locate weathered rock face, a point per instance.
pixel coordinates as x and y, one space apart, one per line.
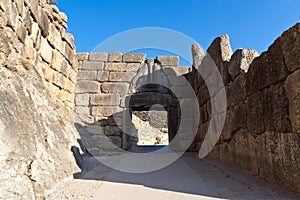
262 127
292 88
36 137
37 78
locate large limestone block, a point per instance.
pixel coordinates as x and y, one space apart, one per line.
134 58
46 50
48 73
218 54
57 59
220 50
105 99
63 16
278 158
255 113
102 75
92 65
267 69
87 75
43 21
21 32
4 4
122 67
69 38
241 151
115 57
292 87
11 15
240 61
69 53
121 88
59 79
168 60
86 86
20 7
237 91
82 99
82 56
132 67
54 38
72 75
69 85
290 45
276 109
98 56
236 119
121 76
28 22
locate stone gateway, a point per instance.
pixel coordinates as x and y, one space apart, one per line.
57 105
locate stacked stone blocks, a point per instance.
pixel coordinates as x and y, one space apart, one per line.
103 83
41 42
261 131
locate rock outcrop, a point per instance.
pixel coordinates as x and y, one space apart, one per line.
37 77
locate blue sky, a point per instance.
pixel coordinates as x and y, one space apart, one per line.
249 24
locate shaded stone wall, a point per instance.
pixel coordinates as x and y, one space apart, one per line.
38 71
261 131
104 82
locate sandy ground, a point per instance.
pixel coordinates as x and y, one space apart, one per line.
189 178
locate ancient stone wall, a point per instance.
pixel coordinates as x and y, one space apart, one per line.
39 70
37 77
261 131
37 35
103 84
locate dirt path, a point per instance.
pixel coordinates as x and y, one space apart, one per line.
188 178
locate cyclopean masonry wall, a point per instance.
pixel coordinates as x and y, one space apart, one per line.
106 82
36 31
262 126
37 76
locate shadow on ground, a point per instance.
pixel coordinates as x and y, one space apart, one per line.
188 175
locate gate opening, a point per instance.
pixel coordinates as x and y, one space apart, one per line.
151 127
